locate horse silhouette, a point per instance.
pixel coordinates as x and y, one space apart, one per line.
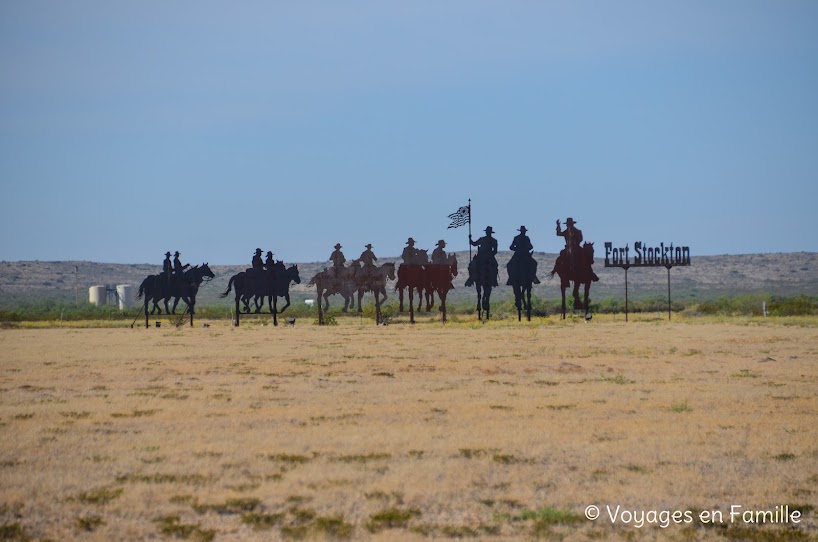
520 277
185 287
412 277
438 279
581 273
261 284
482 273
373 279
336 280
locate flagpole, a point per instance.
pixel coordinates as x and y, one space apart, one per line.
469 228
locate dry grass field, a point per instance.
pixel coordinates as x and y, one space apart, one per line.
502 431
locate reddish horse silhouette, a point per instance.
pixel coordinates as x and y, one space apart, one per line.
438 279
582 273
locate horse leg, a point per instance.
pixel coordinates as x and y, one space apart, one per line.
528 303
257 304
360 298
273 309
442 293
287 299
146 310
587 289
563 287
487 302
400 298
420 298
479 304
577 302
238 312
411 305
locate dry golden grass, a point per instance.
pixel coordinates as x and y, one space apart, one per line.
497 431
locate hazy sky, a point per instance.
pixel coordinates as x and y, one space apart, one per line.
132 128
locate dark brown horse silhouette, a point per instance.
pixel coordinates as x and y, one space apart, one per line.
438 279
581 274
412 277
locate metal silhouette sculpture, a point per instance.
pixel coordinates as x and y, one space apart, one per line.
574 265
338 280
412 277
483 271
438 277
522 273
183 285
271 281
427 278
370 278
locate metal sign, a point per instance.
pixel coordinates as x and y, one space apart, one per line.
646 256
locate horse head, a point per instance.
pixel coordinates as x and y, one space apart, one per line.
390 270
205 271
452 261
589 251
292 274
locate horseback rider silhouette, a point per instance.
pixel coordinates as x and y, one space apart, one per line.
269 263
522 247
572 254
167 268
257 263
368 258
573 238
409 253
485 258
439 255
178 268
337 258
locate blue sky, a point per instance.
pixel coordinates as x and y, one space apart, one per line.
213 128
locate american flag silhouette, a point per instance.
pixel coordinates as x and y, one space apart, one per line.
460 217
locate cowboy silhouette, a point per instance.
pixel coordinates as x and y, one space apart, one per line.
409 253
178 268
337 258
167 268
368 257
573 238
257 263
522 247
269 263
485 258
439 255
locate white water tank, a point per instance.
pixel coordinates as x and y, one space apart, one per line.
125 294
98 295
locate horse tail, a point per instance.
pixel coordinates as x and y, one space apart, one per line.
141 289
229 286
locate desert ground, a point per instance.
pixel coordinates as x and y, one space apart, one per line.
502 431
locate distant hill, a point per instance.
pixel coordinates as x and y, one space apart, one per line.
707 277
